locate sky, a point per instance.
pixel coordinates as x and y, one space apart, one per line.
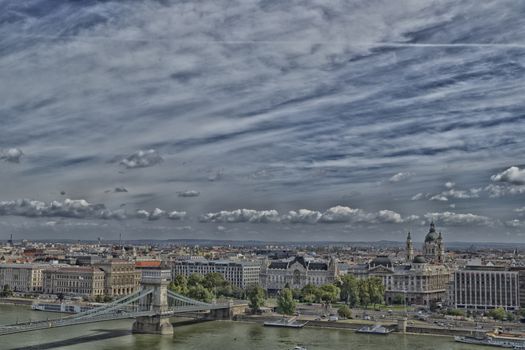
262 120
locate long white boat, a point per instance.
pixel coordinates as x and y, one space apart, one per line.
283 322
62 307
496 338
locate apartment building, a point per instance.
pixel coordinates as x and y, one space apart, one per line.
24 278
240 274
486 287
121 277
80 281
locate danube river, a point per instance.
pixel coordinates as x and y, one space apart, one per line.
204 336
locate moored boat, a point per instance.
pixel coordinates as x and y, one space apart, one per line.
376 329
496 338
290 323
61 307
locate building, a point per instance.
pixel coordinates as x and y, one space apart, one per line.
79 281
121 277
482 287
297 272
238 273
24 278
521 281
421 280
433 247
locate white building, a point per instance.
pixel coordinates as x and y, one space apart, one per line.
297 272
240 274
486 287
25 278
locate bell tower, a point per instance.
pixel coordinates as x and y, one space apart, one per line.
409 249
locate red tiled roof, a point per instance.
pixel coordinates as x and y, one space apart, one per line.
148 263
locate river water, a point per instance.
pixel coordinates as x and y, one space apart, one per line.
115 335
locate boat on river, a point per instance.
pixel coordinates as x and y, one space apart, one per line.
286 322
376 329
496 338
61 307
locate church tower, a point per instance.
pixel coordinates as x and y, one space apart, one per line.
434 248
409 249
440 249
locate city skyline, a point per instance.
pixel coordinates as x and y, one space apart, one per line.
262 121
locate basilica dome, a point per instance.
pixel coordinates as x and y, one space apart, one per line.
432 235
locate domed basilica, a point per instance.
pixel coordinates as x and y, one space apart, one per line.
433 248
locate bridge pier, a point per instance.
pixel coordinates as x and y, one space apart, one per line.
157 280
152 325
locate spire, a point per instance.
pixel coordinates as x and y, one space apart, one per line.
432 226
440 237
408 236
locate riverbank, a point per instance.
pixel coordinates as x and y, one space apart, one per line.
354 325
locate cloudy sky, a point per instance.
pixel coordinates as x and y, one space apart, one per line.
270 120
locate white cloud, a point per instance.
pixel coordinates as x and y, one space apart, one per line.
189 194
418 196
302 216
72 208
520 210
158 213
141 159
450 184
242 215
454 219
12 155
338 214
512 175
515 223
496 191
400 177
439 197
177 215
458 194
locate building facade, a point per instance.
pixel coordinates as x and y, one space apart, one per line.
486 287
77 281
24 278
421 280
297 272
240 274
121 277
433 247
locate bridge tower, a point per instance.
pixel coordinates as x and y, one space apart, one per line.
157 280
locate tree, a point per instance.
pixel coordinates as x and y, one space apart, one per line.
6 291
256 296
344 312
350 290
329 293
310 293
455 312
195 279
198 292
285 302
179 285
214 280
497 314
60 296
98 298
364 293
376 290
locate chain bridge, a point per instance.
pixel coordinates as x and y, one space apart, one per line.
151 307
